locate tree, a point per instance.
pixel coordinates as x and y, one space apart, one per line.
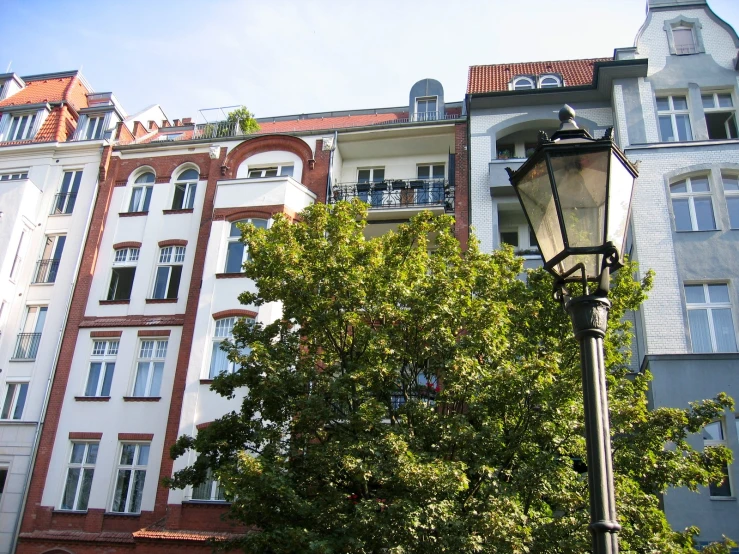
245 120
417 399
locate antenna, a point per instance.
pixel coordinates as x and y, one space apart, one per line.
9 64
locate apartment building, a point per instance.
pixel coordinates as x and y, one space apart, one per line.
672 101
157 292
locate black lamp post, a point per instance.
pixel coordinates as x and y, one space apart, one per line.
576 193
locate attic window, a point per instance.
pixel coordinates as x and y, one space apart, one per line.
684 36
684 40
549 81
523 83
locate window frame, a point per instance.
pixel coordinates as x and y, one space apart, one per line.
107 360
556 78
216 492
426 114
217 340
278 168
171 260
709 306
66 198
133 468
518 79
673 113
83 466
731 195
98 127
189 190
691 197
716 108
153 363
141 183
14 401
128 261
719 442
24 131
232 240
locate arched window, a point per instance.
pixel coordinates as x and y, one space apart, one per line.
141 193
184 190
236 253
219 362
549 81
692 204
523 83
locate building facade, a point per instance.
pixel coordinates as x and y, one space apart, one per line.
157 292
672 100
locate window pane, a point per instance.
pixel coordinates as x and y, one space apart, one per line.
174 281
142 375
424 172
179 196
713 432
718 293
121 490
189 175
724 329
20 401
707 100
145 178
680 102
724 101
84 497
733 206
695 294
699 184
93 379
682 215
8 401
683 127
704 214
287 170
665 128
722 488
127 453
70 488
78 452
107 379
160 284
363 175
92 453
156 379
234 257
378 175
137 491
218 361
680 186
699 331
663 104
143 455
438 172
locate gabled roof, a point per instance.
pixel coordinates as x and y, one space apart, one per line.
52 89
493 78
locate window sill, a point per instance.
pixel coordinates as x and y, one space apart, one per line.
699 231
161 300
69 512
132 214
92 398
22 359
113 302
723 498
198 502
230 275
206 381
122 514
43 284
142 398
182 211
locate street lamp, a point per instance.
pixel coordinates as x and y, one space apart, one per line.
576 193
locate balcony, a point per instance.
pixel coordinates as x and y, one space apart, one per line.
63 203
398 193
46 271
26 346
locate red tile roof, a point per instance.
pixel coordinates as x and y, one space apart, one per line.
183 535
50 90
492 78
83 536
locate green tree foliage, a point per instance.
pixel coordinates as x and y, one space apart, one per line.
245 119
417 402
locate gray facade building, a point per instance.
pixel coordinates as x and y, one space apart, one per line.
672 100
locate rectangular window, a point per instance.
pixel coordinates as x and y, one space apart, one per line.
123 273
426 109
15 401
731 191
184 196
713 435
720 116
692 204
684 40
14 176
140 198
80 472
219 362
48 265
281 170
150 368
432 188
371 185
674 118
93 128
709 317
210 489
65 200
29 338
169 272
21 127
3 479
131 474
236 251
102 367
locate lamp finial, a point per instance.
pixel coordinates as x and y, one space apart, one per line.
567 118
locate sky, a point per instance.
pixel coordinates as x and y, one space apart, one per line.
283 57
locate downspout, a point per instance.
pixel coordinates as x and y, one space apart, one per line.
47 394
468 105
331 168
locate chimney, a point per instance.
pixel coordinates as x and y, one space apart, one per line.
176 123
187 120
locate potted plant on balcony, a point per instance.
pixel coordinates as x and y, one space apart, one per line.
504 154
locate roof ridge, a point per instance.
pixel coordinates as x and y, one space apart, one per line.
543 61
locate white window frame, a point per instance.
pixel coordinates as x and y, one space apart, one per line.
425 114
86 463
523 82
189 189
279 170
122 258
171 261
104 352
556 81
720 442
223 331
685 27
716 107
94 127
236 240
14 176
709 306
150 368
673 113
135 468
22 126
731 195
214 489
66 198
691 196
14 400
141 204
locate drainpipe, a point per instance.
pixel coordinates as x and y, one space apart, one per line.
47 394
331 168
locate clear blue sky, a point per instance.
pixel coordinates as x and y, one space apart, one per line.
283 57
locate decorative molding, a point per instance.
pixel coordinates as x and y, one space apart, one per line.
163 179
132 214
82 435
142 398
161 300
172 242
230 275
112 302
154 332
234 313
172 212
105 334
133 321
92 398
121 183
126 244
135 436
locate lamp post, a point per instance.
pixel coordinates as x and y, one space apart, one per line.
576 193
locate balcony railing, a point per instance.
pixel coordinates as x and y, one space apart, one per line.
46 271
63 203
26 346
398 193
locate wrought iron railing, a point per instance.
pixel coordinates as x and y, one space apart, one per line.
46 271
217 129
63 203
26 346
398 193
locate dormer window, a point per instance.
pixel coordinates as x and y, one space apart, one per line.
684 40
93 127
21 127
549 81
523 83
426 108
684 36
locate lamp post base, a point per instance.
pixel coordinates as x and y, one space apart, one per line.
589 316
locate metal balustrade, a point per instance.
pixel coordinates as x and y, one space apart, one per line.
398 193
46 271
26 346
63 203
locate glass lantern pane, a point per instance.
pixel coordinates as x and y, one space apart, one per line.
581 181
537 199
621 187
592 263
